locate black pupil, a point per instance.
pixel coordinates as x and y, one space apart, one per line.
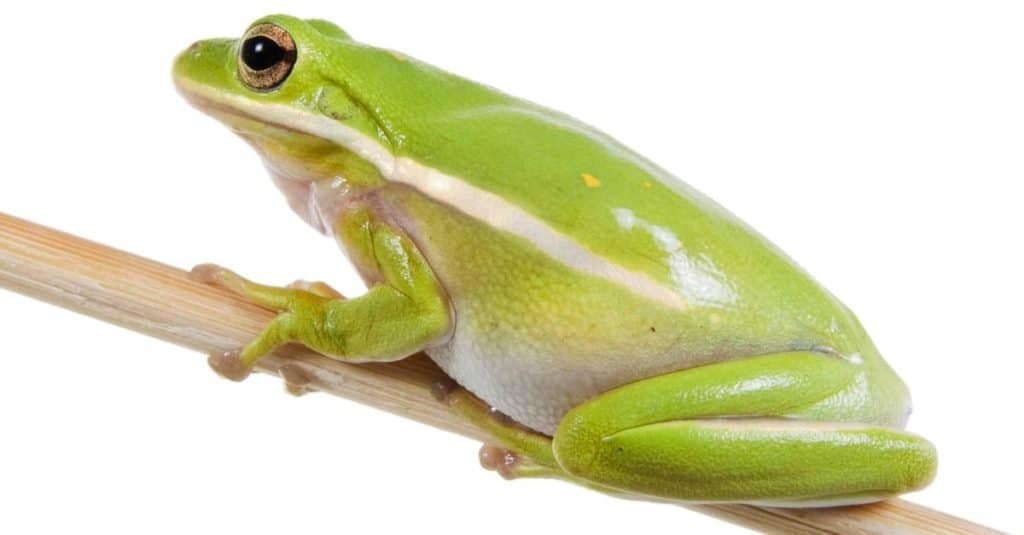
261 53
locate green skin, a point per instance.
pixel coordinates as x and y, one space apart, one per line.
647 342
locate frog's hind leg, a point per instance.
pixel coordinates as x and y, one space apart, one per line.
520 452
732 432
728 432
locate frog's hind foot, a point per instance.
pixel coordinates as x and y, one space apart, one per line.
511 465
500 460
521 452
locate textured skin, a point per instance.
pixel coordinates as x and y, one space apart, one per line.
509 344
580 280
736 429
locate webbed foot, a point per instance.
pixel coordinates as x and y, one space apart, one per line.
300 309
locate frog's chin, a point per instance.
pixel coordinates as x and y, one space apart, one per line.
317 199
310 193
302 200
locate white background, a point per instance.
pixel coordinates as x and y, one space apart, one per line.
879 143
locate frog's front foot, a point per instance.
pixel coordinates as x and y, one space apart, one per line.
301 309
296 380
207 273
317 288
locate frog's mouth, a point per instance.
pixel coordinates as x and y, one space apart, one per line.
235 109
311 193
237 118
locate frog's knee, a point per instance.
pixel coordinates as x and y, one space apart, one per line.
576 444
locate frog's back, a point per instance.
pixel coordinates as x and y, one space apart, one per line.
575 265
565 186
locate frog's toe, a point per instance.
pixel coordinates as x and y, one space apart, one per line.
501 460
296 380
207 273
443 388
316 288
229 364
511 464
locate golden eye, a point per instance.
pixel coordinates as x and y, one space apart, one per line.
266 57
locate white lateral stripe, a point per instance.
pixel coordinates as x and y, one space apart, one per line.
478 203
499 213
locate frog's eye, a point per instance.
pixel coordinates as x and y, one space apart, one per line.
266 56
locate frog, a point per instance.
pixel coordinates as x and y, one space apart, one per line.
636 337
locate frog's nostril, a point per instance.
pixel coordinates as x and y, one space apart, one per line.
194 48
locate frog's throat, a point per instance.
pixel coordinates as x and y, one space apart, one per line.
450 190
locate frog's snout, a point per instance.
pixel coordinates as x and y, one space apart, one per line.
185 58
205 58
191 53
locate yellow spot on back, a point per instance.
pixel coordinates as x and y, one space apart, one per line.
648 184
590 180
397 55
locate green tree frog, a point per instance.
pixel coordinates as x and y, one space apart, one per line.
640 339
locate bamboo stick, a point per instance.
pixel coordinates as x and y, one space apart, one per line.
161 301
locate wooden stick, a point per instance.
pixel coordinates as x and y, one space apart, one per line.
161 301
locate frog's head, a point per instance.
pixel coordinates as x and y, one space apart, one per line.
280 88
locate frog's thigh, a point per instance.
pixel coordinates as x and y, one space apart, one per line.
708 434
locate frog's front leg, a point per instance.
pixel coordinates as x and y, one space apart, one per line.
730 432
404 313
317 288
